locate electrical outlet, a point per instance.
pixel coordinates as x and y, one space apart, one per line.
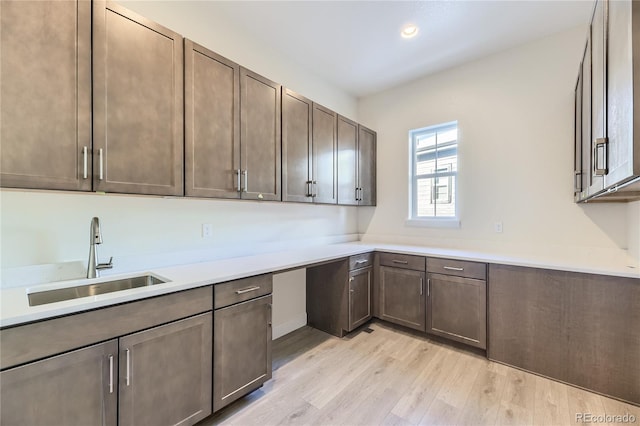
497 227
207 230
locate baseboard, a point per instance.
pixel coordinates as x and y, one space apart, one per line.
280 330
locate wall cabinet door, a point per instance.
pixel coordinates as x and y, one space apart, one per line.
325 155
77 388
585 120
577 140
212 124
45 121
366 166
296 148
260 144
402 297
137 104
347 161
165 374
598 147
457 309
241 350
359 297
623 154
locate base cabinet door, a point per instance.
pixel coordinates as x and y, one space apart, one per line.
457 309
77 388
359 297
402 298
241 349
165 374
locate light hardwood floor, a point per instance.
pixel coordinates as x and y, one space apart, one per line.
395 377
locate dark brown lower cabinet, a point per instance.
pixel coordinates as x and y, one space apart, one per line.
402 297
339 294
457 309
77 388
582 329
241 349
165 374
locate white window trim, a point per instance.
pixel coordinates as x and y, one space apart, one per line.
430 222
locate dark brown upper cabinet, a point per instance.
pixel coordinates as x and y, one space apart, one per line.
138 108
212 124
309 151
260 143
356 164
45 121
609 169
297 163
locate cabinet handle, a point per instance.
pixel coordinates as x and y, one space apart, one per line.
428 286
600 163
314 188
245 173
577 184
357 199
452 268
309 194
421 286
101 165
239 179
248 289
110 373
361 194
402 262
350 279
84 163
360 262
269 320
128 367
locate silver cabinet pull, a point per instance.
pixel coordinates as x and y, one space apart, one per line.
451 268
239 179
600 146
248 289
577 184
84 163
309 194
269 320
314 188
245 173
127 377
360 262
421 286
361 194
357 199
101 165
110 373
350 279
428 286
402 262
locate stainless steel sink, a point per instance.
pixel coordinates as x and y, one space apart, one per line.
60 294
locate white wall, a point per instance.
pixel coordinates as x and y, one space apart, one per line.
515 116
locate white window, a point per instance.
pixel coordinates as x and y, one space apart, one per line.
434 171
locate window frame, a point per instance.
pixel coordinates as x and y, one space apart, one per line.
432 221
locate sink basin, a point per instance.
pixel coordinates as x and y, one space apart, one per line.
60 294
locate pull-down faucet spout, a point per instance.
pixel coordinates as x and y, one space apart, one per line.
95 238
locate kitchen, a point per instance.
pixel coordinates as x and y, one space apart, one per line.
515 110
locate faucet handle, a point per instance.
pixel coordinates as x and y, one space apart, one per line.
105 265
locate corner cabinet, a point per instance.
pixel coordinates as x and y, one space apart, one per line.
607 100
45 87
356 163
137 104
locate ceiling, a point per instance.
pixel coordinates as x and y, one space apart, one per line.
356 45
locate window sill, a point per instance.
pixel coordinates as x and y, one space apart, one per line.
433 223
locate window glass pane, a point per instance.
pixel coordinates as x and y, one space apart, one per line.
424 203
446 200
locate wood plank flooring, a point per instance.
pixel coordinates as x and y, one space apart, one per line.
396 377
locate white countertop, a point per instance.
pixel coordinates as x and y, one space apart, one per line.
14 307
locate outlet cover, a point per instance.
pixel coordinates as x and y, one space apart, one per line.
497 227
207 230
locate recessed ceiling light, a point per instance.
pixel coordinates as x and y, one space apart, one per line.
409 31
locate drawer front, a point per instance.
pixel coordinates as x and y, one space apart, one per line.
459 268
240 290
405 261
50 337
360 261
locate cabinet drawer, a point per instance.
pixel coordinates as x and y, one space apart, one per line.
459 268
402 261
360 261
240 290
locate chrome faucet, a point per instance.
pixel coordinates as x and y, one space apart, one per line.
95 238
